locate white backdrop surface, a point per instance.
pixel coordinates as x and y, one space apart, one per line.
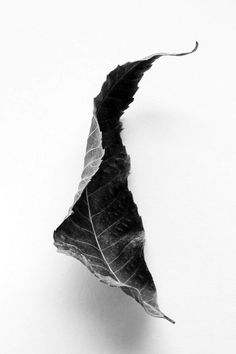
181 135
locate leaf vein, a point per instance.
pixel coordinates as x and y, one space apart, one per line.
123 265
96 147
93 131
107 206
80 227
122 251
114 223
84 242
132 274
104 185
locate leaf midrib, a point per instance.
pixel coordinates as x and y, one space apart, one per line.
95 236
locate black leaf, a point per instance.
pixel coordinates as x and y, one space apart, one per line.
103 229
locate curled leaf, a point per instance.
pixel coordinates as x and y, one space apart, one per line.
103 229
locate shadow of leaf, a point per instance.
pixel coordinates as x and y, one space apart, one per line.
108 311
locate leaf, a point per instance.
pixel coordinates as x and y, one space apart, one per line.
103 229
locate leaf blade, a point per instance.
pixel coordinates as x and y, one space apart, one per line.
103 229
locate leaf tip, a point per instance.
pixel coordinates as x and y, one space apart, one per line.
168 319
191 51
196 47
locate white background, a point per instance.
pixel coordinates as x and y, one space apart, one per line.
181 135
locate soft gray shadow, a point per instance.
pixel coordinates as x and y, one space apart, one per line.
108 311
152 124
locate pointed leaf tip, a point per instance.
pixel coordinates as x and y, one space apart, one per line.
168 319
191 51
158 55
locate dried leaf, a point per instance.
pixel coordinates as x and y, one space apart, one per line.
103 229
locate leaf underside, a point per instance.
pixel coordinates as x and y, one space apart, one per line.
103 229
